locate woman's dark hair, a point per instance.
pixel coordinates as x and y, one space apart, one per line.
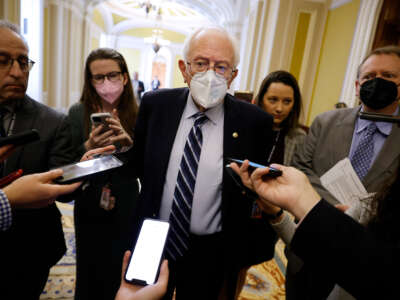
127 107
386 205
292 121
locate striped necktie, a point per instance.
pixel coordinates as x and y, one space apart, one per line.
362 156
179 219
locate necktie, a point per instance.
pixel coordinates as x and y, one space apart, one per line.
179 219
362 156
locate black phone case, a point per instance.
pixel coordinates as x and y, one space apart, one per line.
142 282
273 173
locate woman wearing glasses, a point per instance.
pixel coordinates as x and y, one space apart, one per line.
104 208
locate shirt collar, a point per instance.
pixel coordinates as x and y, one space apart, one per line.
383 127
214 114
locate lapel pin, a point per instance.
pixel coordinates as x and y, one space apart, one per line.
235 135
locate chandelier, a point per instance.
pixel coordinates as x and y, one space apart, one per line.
156 39
149 6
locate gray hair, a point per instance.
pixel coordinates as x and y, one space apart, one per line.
232 39
14 28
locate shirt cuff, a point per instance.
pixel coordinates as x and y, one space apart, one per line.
285 228
5 212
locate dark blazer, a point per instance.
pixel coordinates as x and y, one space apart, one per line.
314 157
348 252
248 240
36 234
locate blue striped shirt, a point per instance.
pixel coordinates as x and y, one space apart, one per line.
5 212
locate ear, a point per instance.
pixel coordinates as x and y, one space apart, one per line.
182 67
234 74
358 85
125 81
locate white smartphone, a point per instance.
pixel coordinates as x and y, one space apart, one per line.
144 264
100 119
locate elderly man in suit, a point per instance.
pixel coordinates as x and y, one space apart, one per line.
372 147
182 138
35 241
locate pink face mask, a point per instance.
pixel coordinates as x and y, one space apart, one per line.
110 91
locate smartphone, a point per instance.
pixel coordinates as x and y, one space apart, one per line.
84 169
100 119
252 166
21 138
144 264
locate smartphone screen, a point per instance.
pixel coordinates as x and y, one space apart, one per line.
146 257
81 170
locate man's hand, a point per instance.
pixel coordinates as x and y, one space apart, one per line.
37 190
128 291
291 191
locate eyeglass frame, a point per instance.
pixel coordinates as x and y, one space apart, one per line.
10 62
104 76
233 70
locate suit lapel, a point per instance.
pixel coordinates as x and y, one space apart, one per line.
167 120
24 120
170 125
342 136
232 130
389 152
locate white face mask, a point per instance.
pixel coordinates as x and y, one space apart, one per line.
208 89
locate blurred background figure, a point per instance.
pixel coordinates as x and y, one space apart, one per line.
103 210
155 83
138 87
279 95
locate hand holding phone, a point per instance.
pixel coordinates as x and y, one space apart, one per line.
273 173
98 119
81 170
145 261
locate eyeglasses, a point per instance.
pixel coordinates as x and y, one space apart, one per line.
25 64
198 66
112 76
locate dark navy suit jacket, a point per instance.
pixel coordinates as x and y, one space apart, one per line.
247 131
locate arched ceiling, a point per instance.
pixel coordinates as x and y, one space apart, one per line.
177 15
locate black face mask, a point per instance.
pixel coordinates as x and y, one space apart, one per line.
378 93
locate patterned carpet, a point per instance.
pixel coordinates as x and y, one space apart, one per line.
263 281
266 280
